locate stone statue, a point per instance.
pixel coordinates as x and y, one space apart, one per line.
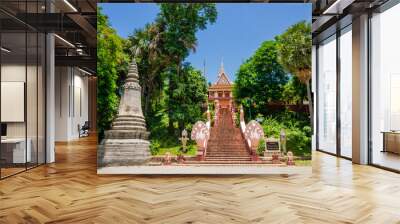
201 134
253 134
167 159
290 159
184 140
283 140
127 141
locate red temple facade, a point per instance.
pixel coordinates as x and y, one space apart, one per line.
220 93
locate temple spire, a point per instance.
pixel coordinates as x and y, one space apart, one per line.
133 74
221 68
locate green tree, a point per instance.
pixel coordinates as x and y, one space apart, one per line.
294 92
189 96
145 45
260 80
294 51
110 57
181 23
173 91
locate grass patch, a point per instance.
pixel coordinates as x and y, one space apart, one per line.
174 150
303 162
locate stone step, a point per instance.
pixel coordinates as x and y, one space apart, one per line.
228 153
129 121
227 162
126 134
132 123
226 156
227 149
130 118
129 127
225 145
227 159
241 149
227 140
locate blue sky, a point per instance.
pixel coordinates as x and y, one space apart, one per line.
239 30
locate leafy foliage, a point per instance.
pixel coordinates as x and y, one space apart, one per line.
297 128
294 50
294 92
260 80
261 147
110 63
173 91
188 98
154 147
271 75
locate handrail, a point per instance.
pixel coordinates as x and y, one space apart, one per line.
252 152
208 124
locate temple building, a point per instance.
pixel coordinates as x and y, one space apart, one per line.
220 93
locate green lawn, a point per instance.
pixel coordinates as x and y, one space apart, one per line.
303 162
175 149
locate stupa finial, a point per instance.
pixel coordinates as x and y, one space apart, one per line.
221 68
133 71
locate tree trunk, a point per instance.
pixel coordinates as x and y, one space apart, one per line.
310 104
149 94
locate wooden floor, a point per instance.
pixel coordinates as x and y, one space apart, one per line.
69 191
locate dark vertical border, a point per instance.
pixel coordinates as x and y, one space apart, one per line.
1 53
316 108
45 96
37 90
338 93
26 86
45 88
369 90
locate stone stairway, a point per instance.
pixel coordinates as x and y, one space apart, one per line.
226 144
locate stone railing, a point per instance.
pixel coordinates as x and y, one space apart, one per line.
208 123
252 133
201 134
216 111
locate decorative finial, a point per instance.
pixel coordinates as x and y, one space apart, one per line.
221 69
133 71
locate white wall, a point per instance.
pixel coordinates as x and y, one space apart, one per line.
71 94
16 73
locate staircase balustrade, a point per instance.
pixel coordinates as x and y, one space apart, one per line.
252 133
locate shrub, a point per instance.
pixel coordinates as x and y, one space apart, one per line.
298 142
297 128
261 147
272 127
154 147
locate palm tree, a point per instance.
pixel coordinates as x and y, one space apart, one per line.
146 49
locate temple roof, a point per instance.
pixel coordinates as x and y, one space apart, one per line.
222 77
